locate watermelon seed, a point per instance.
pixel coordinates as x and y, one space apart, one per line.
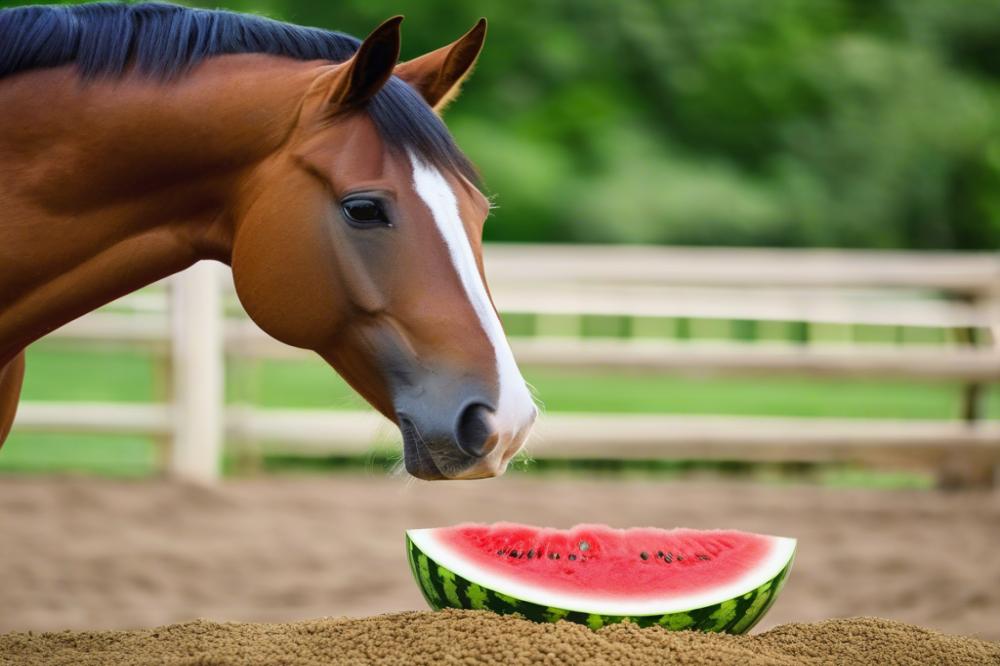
680 558
500 552
659 554
668 558
572 556
553 556
531 553
644 555
513 553
584 545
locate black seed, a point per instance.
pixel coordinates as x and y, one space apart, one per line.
680 558
572 556
513 553
500 552
668 558
644 555
553 556
531 553
659 554
584 545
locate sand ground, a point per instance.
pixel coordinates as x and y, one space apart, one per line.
472 638
80 553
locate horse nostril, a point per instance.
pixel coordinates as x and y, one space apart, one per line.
475 429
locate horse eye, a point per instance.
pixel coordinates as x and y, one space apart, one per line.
365 212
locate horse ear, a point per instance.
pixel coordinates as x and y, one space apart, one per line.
355 81
438 75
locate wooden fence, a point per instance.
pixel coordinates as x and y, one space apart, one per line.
559 287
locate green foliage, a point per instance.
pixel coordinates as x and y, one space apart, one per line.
787 122
729 121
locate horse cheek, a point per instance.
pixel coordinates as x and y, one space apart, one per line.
285 273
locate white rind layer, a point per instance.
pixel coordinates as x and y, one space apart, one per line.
781 554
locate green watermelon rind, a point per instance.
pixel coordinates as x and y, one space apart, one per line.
443 588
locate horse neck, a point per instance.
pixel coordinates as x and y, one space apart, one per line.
109 186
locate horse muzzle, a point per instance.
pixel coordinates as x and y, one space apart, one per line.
463 443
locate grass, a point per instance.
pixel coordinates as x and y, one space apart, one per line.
93 454
749 397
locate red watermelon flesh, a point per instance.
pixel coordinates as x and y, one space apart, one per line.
609 562
605 570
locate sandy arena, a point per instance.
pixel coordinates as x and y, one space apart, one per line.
91 554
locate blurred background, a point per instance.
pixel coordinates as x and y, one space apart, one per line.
746 253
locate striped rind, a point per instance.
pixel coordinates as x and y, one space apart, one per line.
443 588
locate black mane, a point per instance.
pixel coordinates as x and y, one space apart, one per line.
165 41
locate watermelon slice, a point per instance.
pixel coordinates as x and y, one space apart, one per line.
595 575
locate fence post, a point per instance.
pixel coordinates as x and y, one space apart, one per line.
198 374
972 470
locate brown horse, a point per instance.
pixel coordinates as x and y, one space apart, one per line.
136 140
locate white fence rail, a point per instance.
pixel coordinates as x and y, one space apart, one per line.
955 292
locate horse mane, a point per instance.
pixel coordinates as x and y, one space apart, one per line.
165 41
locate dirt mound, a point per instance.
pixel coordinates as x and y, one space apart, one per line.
473 637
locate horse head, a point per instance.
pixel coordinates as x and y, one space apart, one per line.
360 238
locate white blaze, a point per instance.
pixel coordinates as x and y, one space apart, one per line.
515 406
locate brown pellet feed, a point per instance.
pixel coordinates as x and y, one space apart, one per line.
480 637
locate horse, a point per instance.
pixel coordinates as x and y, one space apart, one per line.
136 140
